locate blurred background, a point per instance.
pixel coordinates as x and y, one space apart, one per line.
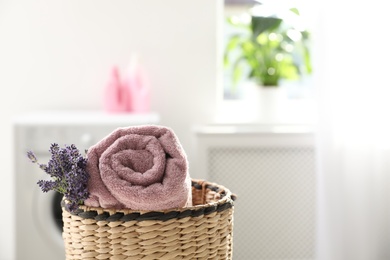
283 102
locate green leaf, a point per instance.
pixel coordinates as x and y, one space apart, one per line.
294 10
226 60
237 74
252 74
233 42
248 48
261 24
237 70
237 22
231 20
307 60
262 39
288 69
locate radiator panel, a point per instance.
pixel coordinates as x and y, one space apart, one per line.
275 212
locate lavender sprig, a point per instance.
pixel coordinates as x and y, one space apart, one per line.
67 169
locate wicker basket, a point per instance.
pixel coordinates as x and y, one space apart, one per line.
203 231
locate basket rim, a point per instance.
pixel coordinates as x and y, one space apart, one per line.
110 215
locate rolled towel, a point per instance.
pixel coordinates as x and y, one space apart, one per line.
139 168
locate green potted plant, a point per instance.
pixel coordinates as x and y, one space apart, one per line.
267 48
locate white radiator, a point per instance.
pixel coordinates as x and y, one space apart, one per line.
272 170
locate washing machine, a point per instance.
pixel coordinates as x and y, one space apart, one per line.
38 221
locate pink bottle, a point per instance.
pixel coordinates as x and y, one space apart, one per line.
116 96
138 88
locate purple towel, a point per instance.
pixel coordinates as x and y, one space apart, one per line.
139 168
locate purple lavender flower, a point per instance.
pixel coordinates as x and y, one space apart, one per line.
67 169
46 185
32 156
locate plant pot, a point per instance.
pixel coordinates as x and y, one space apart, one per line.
203 231
267 104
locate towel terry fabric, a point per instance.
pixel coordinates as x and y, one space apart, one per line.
139 168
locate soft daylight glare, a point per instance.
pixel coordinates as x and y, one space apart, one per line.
354 77
353 196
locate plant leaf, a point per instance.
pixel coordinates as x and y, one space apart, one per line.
307 60
261 24
294 10
233 42
237 74
235 21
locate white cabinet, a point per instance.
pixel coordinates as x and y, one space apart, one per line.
272 171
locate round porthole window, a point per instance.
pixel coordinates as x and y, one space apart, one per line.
47 215
57 211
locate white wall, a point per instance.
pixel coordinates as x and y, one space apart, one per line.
58 55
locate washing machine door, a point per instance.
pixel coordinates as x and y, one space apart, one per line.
47 217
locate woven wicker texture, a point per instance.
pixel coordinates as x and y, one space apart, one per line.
203 231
